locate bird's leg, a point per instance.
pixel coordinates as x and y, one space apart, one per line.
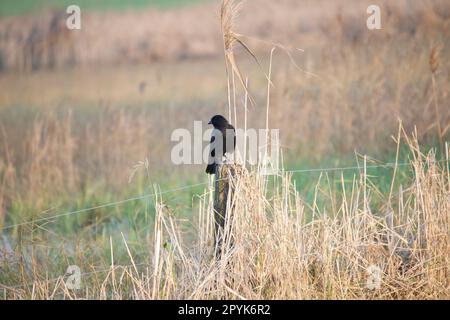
228 158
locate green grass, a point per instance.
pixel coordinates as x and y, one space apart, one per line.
139 214
21 7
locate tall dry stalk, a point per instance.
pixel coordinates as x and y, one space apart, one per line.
228 14
434 65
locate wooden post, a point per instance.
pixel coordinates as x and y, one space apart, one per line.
223 191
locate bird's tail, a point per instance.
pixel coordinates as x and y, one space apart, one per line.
211 168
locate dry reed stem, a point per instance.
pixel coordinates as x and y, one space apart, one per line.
434 65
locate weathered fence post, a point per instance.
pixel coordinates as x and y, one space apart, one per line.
224 189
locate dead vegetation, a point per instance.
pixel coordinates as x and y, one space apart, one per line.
41 41
284 247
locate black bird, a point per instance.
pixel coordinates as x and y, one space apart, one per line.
227 132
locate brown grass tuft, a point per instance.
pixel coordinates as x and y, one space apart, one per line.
434 58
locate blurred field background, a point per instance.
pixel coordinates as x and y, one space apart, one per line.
15 8
80 111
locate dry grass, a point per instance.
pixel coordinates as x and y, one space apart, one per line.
42 41
285 247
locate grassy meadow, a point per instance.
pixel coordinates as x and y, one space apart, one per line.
86 177
12 8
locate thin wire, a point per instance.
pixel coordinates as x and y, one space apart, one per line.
110 204
391 164
386 165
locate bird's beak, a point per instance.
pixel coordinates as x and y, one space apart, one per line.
209 122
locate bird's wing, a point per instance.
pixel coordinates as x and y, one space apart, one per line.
213 146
